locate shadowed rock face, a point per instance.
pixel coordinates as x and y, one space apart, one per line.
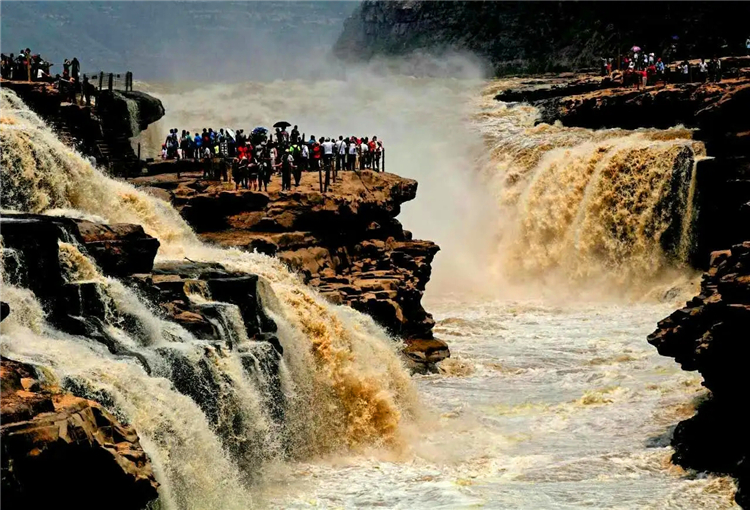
539 36
711 335
346 243
53 442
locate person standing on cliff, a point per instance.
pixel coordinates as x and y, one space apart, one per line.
75 68
296 152
286 164
352 153
703 71
341 154
377 153
197 146
305 157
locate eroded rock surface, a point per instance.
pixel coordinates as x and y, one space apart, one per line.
711 334
54 444
347 243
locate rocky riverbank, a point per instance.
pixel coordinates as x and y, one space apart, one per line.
709 334
347 243
53 442
46 429
537 36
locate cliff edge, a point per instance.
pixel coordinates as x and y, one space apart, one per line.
347 243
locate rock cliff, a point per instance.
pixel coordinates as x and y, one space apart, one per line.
347 243
540 36
101 131
710 335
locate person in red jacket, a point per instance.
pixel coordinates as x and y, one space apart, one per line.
316 153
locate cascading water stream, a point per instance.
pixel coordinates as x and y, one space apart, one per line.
588 209
204 414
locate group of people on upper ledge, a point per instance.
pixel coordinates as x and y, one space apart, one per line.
28 66
253 159
641 69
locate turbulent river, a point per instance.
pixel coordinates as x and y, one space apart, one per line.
561 249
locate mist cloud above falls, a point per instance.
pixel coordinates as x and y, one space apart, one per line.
422 121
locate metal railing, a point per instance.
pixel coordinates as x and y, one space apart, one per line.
111 81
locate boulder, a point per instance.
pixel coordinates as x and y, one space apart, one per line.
54 443
119 249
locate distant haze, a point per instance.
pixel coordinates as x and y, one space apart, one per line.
189 41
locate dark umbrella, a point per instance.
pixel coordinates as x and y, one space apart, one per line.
282 124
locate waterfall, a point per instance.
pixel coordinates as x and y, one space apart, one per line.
208 415
584 208
133 114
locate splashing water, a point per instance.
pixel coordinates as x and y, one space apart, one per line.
605 210
344 383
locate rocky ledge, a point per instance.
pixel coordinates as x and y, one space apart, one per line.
346 243
710 335
101 131
54 442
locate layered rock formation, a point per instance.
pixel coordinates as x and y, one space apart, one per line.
710 335
54 443
718 112
346 243
102 131
540 36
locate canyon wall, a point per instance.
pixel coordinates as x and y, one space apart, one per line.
540 36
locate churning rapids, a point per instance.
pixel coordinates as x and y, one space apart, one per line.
568 242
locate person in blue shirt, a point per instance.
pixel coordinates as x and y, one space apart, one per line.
198 141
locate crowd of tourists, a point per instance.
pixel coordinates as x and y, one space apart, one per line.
255 157
641 69
28 66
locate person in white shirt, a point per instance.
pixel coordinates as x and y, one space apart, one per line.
352 153
703 70
305 156
328 147
340 153
363 160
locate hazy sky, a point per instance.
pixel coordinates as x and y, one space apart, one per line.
195 41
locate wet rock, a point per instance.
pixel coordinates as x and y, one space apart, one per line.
54 443
422 356
710 335
119 249
346 243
